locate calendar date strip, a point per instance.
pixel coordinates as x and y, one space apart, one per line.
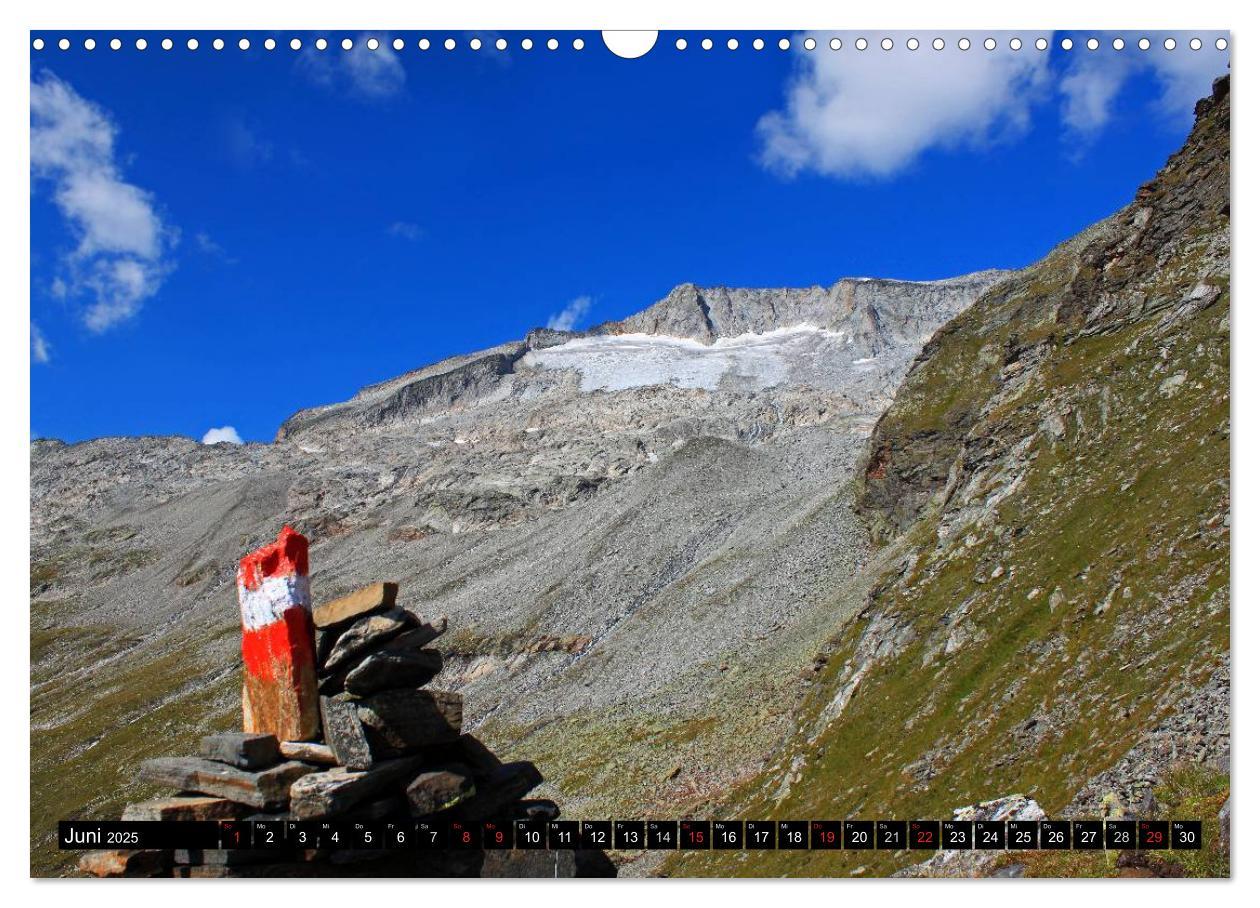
637 835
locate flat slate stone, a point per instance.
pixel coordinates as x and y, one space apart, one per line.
468 750
268 788
185 808
422 635
383 670
308 752
344 732
410 718
440 788
509 783
367 633
124 862
325 794
360 602
241 749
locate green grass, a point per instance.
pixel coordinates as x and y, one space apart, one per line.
91 727
1190 792
1129 498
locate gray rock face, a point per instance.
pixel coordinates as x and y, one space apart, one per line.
881 315
308 752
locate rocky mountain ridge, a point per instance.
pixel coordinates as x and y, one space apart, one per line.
1051 489
758 553
656 543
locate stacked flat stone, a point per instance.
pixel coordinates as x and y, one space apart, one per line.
389 748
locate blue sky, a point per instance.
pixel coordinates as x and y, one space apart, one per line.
222 238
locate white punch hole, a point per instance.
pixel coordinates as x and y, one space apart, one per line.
629 45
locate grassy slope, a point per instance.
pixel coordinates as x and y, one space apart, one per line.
1125 515
129 697
1144 472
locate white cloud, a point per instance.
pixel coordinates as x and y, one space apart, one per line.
871 113
206 243
208 247
225 434
373 75
568 317
121 258
1094 78
41 350
1089 89
405 230
1186 75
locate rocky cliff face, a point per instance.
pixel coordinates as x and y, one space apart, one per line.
656 540
1051 489
1155 264
639 534
881 314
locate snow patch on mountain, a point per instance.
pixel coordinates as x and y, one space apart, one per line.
751 361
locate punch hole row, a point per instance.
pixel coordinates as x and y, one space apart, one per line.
502 44
269 44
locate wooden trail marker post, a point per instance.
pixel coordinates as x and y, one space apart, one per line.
280 695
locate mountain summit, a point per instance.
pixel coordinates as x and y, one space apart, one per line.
605 514
884 548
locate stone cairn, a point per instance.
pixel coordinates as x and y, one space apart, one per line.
360 739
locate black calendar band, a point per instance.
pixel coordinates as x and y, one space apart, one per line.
636 835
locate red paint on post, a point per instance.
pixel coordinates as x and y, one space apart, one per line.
277 642
287 555
280 695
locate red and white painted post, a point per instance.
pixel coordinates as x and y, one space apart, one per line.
280 695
